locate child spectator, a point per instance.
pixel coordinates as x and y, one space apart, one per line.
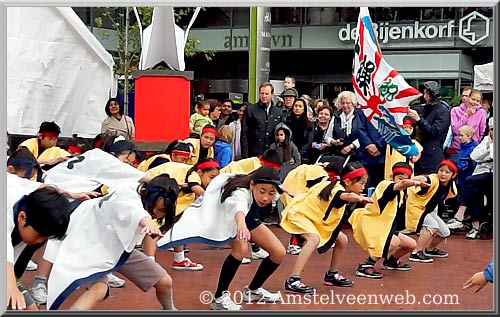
392 156
465 164
199 119
286 149
222 147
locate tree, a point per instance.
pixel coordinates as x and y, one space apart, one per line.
116 16
128 34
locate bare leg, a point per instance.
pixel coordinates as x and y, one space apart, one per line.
425 238
460 213
164 293
338 251
435 241
406 245
88 300
312 242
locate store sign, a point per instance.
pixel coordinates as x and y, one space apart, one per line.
386 31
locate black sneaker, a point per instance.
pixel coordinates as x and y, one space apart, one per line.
395 265
420 257
436 253
368 271
294 285
335 279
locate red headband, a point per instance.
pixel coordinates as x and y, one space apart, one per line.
74 149
355 174
98 144
269 163
208 165
209 130
408 122
49 134
333 176
402 170
450 164
181 153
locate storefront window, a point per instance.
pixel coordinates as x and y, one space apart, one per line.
241 17
286 16
213 17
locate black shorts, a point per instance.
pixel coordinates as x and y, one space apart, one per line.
252 219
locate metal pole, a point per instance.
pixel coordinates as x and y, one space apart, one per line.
125 68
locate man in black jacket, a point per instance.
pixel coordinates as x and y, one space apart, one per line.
259 121
432 124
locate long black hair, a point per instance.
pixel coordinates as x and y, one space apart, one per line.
264 174
167 188
351 166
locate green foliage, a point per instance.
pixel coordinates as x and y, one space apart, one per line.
115 16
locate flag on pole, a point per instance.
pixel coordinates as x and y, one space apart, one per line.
382 92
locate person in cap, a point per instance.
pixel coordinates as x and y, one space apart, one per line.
375 226
204 146
433 124
43 146
124 150
228 213
422 212
289 96
317 216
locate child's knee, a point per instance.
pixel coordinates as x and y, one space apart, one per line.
341 241
165 282
240 250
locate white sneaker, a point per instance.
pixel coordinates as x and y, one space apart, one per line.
261 295
454 224
245 261
259 255
293 249
38 292
32 266
224 303
115 281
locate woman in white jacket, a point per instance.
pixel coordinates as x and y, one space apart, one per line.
476 186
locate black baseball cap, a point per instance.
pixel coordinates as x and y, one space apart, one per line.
267 175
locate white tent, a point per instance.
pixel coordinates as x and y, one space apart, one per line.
483 77
56 71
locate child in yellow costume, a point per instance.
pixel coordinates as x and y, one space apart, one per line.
299 181
392 156
318 216
43 146
195 180
204 146
421 212
374 227
175 152
248 165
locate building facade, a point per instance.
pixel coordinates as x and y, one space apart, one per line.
315 45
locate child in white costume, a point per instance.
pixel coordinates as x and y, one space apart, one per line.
228 213
103 232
